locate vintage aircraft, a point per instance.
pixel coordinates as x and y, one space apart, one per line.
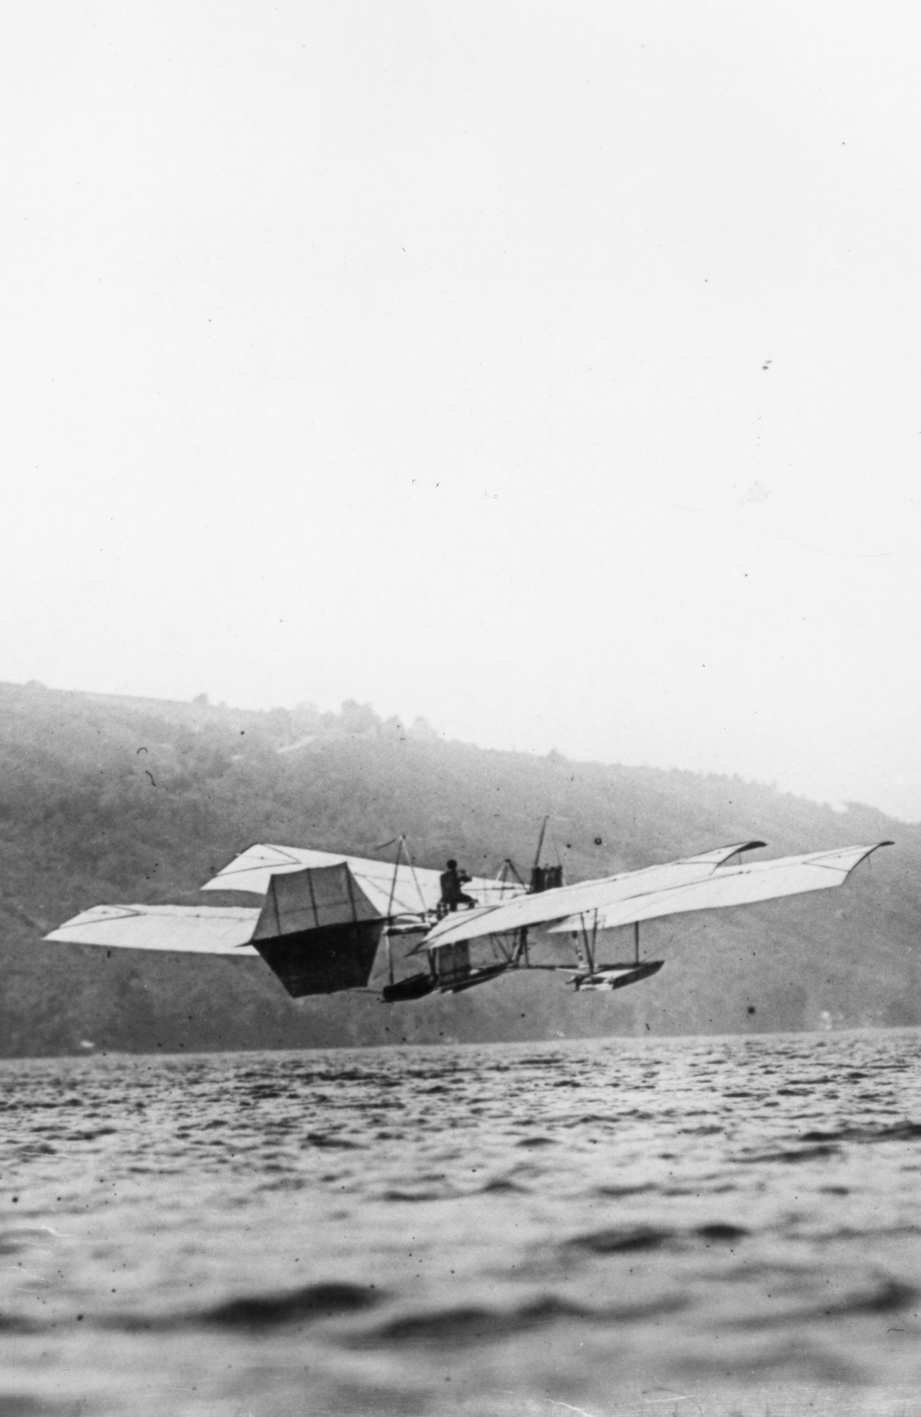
324 916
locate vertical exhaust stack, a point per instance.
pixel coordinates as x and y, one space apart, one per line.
544 878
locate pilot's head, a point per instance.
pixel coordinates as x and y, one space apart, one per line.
452 865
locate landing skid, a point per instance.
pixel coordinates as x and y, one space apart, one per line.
480 976
418 985
616 976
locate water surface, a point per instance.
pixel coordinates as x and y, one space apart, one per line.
670 1226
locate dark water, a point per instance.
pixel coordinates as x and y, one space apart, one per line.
668 1227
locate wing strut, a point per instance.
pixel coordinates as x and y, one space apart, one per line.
588 941
393 888
402 853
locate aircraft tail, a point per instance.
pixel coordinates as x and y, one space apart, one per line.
317 931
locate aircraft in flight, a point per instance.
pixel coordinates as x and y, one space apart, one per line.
323 917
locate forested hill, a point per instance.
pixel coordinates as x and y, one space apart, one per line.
107 799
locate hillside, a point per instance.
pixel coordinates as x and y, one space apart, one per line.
106 799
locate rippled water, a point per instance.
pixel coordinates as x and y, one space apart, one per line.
671 1226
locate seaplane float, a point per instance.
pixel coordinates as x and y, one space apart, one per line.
328 922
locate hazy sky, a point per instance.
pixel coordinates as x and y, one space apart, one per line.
552 371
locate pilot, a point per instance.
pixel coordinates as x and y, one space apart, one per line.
451 894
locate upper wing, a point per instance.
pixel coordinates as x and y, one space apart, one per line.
229 930
584 896
646 895
189 929
735 885
415 889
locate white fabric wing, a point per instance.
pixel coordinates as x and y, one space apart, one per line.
585 896
184 929
734 885
417 889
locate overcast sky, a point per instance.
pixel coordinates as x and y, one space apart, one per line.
552 371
